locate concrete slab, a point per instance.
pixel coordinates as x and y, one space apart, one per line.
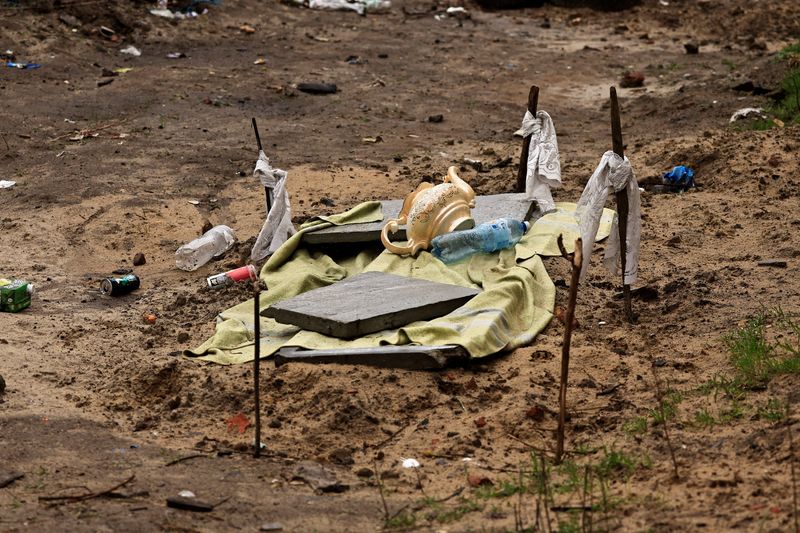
410 357
490 207
369 302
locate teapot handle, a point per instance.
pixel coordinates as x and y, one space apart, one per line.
393 225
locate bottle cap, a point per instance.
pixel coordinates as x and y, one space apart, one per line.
527 226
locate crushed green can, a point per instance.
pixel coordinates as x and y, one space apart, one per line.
15 295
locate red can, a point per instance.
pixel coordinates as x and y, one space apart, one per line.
218 281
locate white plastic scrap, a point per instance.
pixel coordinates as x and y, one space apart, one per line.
410 463
7 184
612 174
278 226
186 494
748 112
544 166
359 6
131 51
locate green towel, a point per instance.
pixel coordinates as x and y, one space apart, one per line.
515 304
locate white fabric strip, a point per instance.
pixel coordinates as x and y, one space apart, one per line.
612 174
544 167
278 226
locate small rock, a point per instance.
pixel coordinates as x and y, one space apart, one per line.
692 48
180 300
318 477
69 20
139 259
777 263
477 480
436 118
480 422
274 423
2 385
105 81
342 456
317 88
183 337
632 79
271 526
535 413
327 201
365 472
207 225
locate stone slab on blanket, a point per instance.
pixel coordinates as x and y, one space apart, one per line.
369 302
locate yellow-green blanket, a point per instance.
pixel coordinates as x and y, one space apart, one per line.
515 304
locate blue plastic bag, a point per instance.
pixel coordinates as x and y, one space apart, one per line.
680 177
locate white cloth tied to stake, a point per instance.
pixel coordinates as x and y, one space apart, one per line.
544 167
612 174
278 227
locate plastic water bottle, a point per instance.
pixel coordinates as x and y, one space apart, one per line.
197 253
489 237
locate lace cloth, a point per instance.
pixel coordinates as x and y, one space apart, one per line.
278 227
544 167
612 174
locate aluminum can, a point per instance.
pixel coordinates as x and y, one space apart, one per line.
218 281
119 286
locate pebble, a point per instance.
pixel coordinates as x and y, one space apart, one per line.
139 259
2 385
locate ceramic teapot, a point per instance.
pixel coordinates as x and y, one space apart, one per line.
430 211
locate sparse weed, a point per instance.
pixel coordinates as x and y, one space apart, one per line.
637 426
774 410
402 520
668 408
616 462
756 359
704 419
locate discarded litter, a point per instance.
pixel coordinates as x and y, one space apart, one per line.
119 286
225 279
15 295
131 51
680 178
176 55
411 463
359 6
187 494
14 64
490 237
189 504
747 113
7 184
197 253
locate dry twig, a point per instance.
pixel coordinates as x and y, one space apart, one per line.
57 500
576 260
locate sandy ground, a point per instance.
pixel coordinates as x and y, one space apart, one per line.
95 395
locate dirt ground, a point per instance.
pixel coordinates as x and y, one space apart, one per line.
94 395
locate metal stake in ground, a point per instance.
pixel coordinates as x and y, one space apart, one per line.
522 173
267 191
257 364
622 201
576 260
